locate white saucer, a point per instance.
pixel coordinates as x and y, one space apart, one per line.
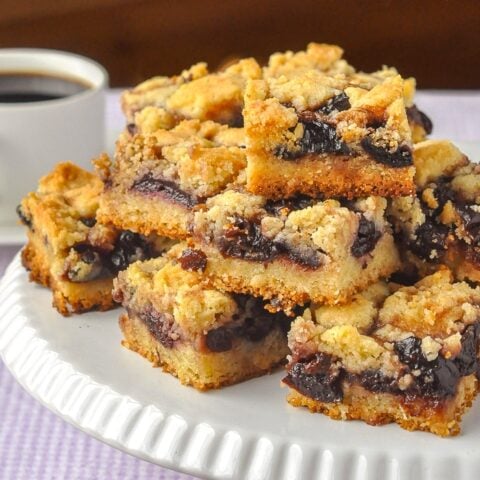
14 234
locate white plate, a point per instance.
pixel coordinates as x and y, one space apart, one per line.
77 368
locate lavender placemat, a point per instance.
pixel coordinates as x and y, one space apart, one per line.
37 445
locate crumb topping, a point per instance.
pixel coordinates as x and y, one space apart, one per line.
194 94
378 329
199 158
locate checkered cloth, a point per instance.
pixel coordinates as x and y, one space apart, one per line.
37 445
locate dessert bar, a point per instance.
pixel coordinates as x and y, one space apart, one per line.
410 357
296 250
204 337
158 178
68 250
318 134
195 93
440 224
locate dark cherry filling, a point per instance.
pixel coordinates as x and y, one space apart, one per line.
443 193
23 218
159 325
299 202
319 378
467 361
318 137
407 277
88 255
258 317
471 221
236 121
417 116
402 157
308 258
219 339
255 326
129 247
244 239
439 378
257 323
88 221
339 102
149 185
376 381
472 255
367 237
430 241
192 259
132 128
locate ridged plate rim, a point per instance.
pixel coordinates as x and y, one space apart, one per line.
204 449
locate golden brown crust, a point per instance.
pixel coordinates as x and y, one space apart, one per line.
354 177
382 408
144 214
205 371
434 159
35 261
201 158
64 198
68 297
435 306
155 91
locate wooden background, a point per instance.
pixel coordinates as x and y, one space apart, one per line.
437 41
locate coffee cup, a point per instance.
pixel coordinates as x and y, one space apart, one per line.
51 109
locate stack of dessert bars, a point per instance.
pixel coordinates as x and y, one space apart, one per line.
292 213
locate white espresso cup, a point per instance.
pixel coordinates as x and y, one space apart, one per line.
36 134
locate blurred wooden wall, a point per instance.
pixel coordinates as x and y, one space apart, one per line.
437 41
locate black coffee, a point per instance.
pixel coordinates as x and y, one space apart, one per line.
21 87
